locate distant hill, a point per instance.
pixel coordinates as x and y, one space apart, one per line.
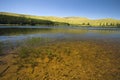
23 19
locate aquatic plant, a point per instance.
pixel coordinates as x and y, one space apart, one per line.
33 41
1 48
24 52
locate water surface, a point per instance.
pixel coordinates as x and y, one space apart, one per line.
17 33
64 51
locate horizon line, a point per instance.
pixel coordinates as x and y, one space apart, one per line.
58 16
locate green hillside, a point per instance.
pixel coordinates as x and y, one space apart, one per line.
23 19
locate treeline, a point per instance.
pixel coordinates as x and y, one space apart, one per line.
109 24
102 24
21 20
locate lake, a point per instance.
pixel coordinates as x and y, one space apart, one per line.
17 33
53 53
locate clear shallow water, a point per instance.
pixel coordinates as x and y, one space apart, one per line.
58 33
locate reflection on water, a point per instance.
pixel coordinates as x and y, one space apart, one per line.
20 33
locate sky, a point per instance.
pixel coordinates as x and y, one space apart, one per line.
93 9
